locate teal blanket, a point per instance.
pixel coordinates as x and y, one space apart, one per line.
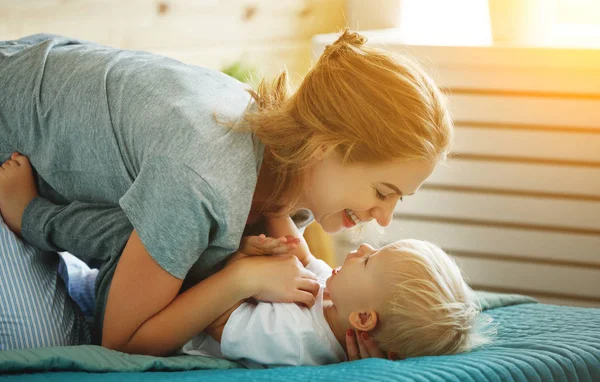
534 342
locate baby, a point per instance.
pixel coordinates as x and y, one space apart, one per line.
409 296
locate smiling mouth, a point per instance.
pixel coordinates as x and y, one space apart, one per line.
352 217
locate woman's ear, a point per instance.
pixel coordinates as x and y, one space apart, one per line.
364 321
322 153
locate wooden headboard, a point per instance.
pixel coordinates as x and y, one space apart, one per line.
518 203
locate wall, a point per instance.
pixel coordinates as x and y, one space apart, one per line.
266 34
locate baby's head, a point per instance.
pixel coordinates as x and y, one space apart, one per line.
411 296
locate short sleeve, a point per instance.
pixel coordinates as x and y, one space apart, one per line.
173 211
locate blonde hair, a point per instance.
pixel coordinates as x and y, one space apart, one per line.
366 104
431 309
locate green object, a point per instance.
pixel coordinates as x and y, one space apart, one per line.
96 359
240 71
491 300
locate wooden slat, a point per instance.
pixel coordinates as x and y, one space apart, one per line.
534 144
527 245
579 82
545 278
524 110
523 177
511 57
486 208
172 24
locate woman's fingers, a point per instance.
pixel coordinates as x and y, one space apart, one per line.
372 348
305 298
351 346
306 274
362 348
310 286
360 345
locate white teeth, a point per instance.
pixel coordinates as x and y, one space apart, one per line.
353 217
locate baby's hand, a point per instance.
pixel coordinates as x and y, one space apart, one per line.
262 245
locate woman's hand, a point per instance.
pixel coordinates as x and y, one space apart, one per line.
278 279
360 345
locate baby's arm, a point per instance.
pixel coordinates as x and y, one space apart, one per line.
284 226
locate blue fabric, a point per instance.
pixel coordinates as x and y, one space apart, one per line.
35 309
80 281
535 342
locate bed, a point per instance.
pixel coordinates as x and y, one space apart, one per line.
535 342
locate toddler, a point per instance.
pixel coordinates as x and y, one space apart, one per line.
409 296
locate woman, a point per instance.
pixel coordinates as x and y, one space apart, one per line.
180 149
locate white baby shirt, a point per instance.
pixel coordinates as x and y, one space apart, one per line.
276 334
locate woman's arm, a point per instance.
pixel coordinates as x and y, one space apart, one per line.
215 329
284 226
144 314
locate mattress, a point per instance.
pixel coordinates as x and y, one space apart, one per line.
535 342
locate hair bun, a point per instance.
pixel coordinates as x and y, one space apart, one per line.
346 40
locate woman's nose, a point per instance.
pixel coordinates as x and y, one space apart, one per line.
384 214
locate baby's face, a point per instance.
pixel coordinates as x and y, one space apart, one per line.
361 282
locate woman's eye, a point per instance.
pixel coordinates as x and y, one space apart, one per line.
381 196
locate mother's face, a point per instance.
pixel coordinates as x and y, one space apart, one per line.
339 196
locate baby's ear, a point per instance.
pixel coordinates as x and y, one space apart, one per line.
364 321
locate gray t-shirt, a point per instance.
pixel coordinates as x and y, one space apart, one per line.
131 128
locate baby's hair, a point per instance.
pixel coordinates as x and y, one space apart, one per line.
430 310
